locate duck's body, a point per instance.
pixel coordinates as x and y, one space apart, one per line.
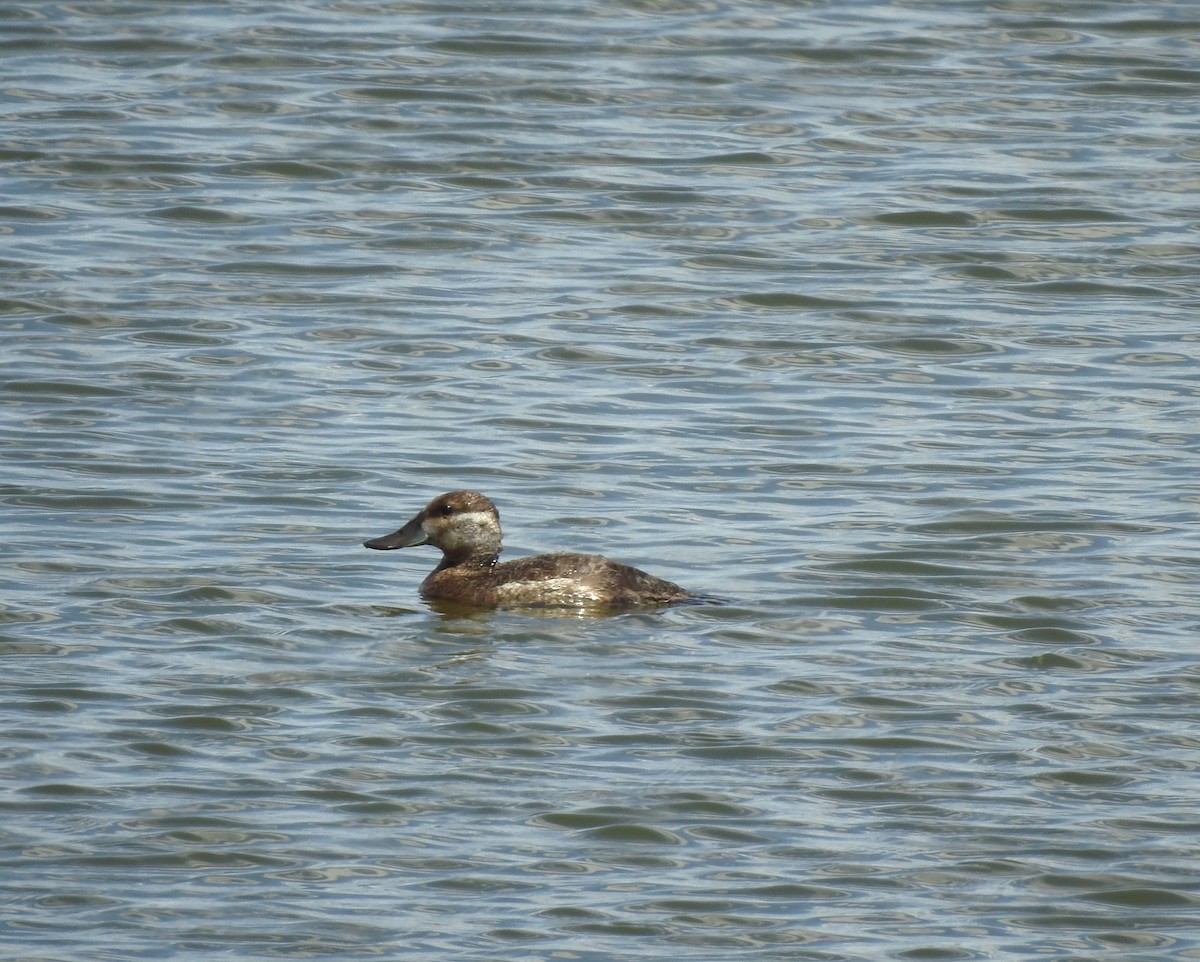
466 526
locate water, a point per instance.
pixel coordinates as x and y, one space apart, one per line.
876 319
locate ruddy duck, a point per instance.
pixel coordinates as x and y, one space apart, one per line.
466 526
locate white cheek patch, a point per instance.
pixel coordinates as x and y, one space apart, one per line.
468 529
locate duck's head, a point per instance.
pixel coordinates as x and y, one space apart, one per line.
464 524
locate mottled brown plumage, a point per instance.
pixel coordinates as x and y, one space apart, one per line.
466 527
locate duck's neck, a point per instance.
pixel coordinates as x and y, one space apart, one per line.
467 559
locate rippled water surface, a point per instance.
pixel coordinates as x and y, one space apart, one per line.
877 320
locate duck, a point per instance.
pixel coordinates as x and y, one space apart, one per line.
465 525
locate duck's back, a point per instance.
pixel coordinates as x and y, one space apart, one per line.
554 580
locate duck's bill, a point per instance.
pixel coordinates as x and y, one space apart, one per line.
408 536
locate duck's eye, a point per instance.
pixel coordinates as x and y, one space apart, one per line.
445 509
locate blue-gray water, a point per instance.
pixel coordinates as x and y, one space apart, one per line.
879 320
